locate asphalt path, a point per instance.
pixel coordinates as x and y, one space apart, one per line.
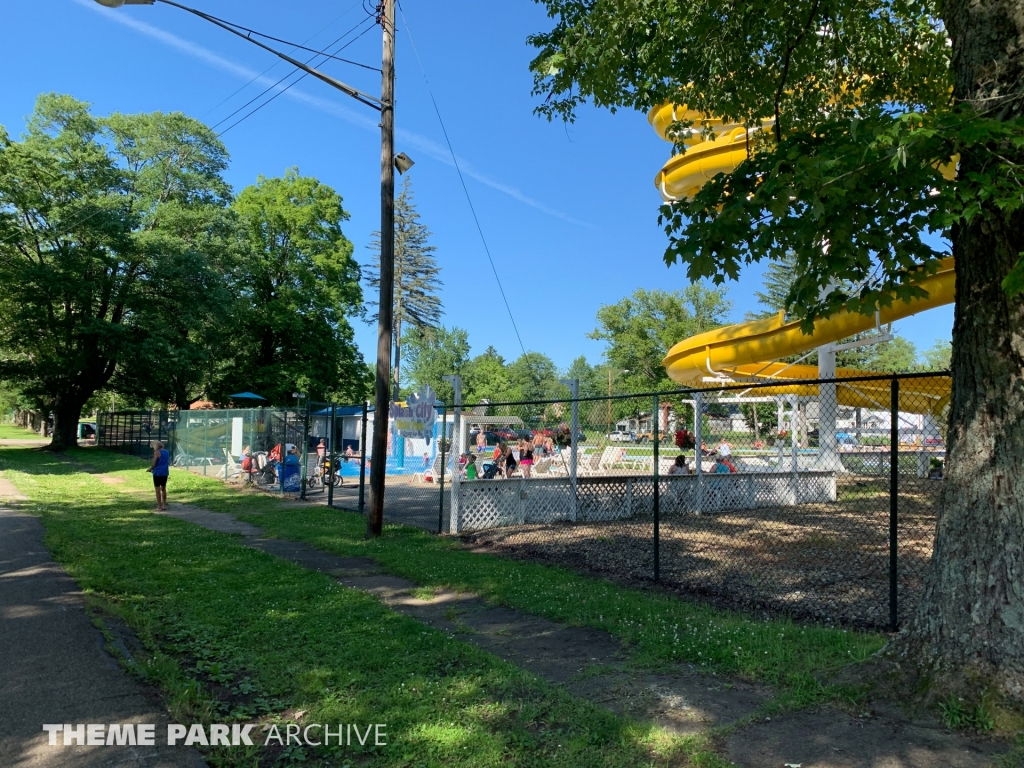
54 668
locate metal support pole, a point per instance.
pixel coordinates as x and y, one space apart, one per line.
455 519
332 455
206 444
440 479
362 459
894 480
698 454
284 453
574 428
828 411
794 442
305 452
386 300
657 493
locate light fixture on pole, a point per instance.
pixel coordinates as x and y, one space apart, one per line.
403 162
385 316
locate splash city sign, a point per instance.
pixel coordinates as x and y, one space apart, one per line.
416 418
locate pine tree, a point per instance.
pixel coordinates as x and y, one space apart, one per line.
417 305
895 355
777 279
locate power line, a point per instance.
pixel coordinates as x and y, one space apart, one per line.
465 189
289 74
277 63
283 90
285 42
100 210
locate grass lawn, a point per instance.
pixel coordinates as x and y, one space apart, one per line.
234 634
659 629
11 432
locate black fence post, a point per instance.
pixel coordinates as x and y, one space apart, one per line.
440 478
655 414
305 451
894 480
362 463
332 456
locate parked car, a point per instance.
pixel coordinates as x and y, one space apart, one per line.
620 436
648 437
933 440
505 433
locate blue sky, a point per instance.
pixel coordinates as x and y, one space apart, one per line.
569 212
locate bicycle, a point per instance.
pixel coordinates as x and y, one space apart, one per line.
320 473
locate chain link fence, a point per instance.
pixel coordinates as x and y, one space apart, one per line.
814 499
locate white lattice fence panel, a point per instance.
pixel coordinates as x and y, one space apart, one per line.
497 503
491 504
615 498
500 503
546 501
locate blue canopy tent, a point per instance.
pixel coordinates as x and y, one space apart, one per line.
246 396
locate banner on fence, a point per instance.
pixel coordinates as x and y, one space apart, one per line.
416 418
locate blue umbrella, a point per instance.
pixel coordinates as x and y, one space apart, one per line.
246 396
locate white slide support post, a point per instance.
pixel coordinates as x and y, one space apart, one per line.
457 449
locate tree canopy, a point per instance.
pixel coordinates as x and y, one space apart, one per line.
130 270
641 328
111 233
870 105
296 283
857 98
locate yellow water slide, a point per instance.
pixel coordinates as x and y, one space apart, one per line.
749 351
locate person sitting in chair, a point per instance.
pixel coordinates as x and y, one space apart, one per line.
680 467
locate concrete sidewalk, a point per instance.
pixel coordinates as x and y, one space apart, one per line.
54 669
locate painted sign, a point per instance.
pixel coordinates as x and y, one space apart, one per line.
416 418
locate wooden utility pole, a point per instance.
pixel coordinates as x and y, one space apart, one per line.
382 388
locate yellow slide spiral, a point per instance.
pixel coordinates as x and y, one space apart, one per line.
748 350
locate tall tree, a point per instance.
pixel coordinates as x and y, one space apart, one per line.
641 328
778 280
896 355
433 356
593 379
109 228
938 356
417 305
867 101
486 377
534 376
297 285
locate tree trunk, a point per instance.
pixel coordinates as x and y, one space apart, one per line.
970 621
66 414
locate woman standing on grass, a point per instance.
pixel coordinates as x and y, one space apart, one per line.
161 468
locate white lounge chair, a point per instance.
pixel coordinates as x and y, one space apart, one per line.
231 467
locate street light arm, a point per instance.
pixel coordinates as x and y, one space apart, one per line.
355 93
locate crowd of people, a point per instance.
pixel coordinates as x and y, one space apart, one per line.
508 456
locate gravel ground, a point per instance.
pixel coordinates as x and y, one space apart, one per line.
825 562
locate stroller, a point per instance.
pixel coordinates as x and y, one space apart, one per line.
262 470
491 470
